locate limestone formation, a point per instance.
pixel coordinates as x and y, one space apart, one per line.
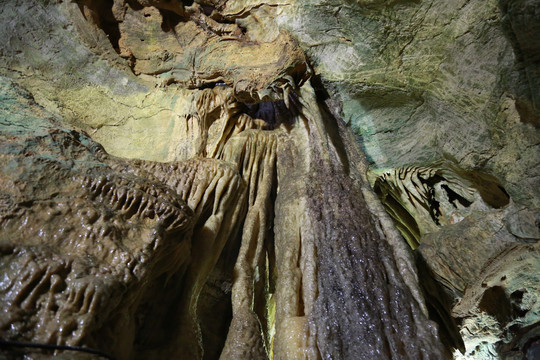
463 220
423 199
269 179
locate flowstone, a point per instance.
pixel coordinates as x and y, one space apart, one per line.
194 179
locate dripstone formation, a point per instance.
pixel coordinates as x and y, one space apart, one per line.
269 180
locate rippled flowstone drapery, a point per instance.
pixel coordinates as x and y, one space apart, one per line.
229 213
94 239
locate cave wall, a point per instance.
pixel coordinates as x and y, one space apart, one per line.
241 113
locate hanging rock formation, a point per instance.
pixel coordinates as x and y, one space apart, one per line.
130 229
193 180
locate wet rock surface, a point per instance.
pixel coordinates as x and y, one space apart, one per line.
192 179
82 244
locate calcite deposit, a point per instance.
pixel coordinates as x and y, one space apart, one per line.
251 179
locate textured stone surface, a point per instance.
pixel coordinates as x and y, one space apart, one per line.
442 73
107 212
425 83
249 194
82 244
467 229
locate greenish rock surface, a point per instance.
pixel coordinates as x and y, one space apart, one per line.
424 81
441 97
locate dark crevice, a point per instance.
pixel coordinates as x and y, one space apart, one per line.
274 113
496 303
215 305
517 295
242 29
525 343
516 298
207 9
301 306
439 303
505 198
454 196
170 20
433 205
211 85
158 306
134 5
270 239
531 350
99 12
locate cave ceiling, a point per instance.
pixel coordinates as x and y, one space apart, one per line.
251 179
